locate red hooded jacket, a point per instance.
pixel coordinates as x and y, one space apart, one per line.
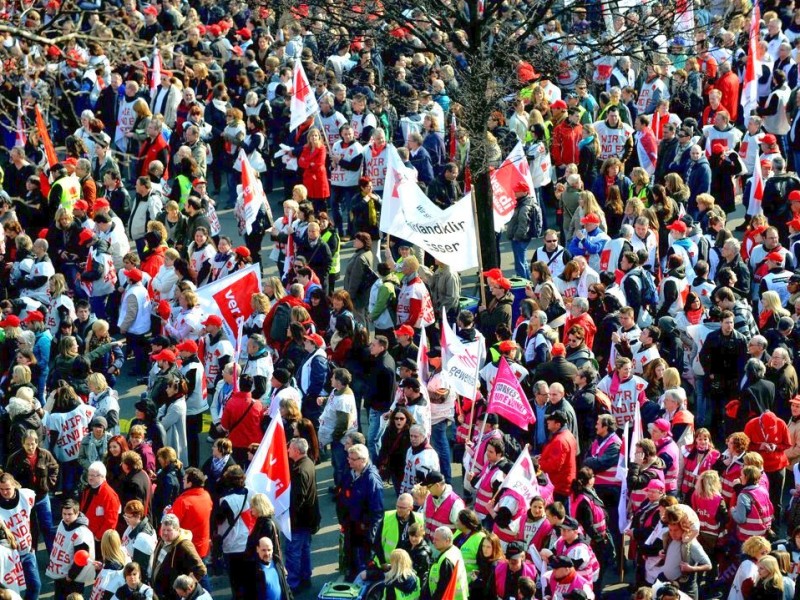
585 321
242 421
765 431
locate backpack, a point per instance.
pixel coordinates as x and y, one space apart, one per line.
648 285
513 448
535 221
602 403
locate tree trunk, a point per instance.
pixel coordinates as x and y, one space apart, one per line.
483 203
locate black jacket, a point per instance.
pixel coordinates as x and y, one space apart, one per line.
381 383
558 369
46 471
304 507
724 356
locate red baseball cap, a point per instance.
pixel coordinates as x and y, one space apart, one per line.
165 354
776 257
133 274
101 203
794 223
405 330
164 309
493 274
34 316
558 349
214 30
85 236
522 186
316 339
507 346
769 139
187 346
591 218
794 196
503 283
678 225
242 251
718 147
150 10
81 205
10 321
214 320
198 181
558 104
245 33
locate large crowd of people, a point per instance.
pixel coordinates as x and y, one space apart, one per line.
640 311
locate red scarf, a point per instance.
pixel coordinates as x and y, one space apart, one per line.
694 316
376 149
764 318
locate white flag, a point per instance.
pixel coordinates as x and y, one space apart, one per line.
304 103
269 473
522 478
250 198
155 73
460 361
230 298
513 169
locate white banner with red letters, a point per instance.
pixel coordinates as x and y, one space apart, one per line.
230 297
269 473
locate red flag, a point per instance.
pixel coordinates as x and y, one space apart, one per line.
269 473
450 590
41 128
756 189
453 138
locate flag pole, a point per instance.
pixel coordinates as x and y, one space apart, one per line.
480 253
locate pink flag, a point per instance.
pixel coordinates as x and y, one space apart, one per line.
622 475
423 367
22 139
508 400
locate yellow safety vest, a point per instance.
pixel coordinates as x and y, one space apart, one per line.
390 533
452 554
469 549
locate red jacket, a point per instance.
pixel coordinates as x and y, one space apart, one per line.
769 429
728 84
154 150
101 508
193 509
248 429
559 460
315 177
564 145
154 261
585 321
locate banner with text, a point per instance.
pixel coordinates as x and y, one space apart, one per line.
230 297
460 362
508 400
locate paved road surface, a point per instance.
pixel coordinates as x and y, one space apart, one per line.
324 545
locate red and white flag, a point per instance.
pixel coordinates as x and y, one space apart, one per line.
508 400
752 70
647 150
684 17
756 189
22 139
423 366
504 179
155 72
269 473
304 103
251 197
229 298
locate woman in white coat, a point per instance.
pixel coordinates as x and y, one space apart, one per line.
172 416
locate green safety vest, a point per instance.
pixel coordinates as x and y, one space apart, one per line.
470 549
390 533
185 185
336 264
400 595
641 194
70 191
453 554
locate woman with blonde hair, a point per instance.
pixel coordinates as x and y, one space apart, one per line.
587 204
634 208
315 177
707 501
771 311
400 580
169 482
61 307
265 526
769 585
676 188
232 137
640 185
273 288
261 305
104 400
110 575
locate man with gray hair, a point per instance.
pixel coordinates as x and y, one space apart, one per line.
359 508
188 589
757 348
541 394
304 514
537 350
732 260
99 502
174 555
448 561
83 171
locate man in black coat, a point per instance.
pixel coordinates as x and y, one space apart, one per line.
270 572
317 254
557 370
381 388
304 515
445 190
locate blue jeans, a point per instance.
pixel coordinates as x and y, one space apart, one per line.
31 571
702 410
338 461
373 440
521 267
70 478
44 523
340 206
442 447
297 554
234 178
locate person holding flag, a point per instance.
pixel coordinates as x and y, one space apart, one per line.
448 571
